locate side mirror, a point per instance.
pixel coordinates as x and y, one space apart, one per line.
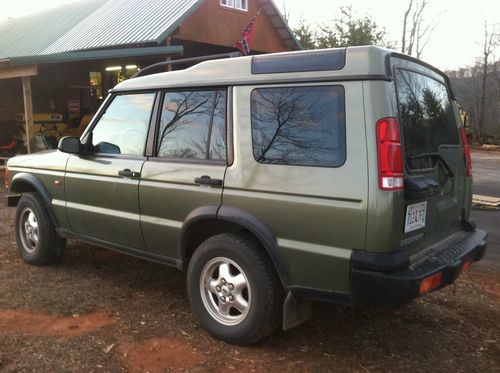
70 144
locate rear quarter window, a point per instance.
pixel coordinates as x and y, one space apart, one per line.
425 113
299 125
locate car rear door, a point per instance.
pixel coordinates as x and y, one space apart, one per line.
187 168
436 192
102 184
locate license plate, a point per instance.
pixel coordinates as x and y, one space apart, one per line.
415 216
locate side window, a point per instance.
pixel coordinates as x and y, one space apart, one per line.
124 126
299 125
193 125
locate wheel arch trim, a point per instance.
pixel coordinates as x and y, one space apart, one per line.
243 219
25 178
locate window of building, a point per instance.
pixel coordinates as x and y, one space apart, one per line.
235 4
299 126
95 79
123 128
193 125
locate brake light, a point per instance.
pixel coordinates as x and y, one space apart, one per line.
467 157
390 156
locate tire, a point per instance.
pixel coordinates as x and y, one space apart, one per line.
234 289
36 237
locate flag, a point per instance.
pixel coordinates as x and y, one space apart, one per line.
245 43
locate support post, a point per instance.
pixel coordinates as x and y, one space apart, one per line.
169 58
28 112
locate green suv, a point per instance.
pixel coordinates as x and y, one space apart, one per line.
339 175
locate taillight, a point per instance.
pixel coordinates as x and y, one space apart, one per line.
390 156
467 157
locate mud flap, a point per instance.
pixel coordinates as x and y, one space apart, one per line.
295 311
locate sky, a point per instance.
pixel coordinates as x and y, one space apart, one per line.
455 42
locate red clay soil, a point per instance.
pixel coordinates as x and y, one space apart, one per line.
42 325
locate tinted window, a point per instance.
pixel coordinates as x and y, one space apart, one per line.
425 113
124 126
299 125
193 125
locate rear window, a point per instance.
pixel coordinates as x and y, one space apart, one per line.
299 126
425 113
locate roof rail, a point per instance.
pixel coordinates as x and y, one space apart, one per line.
186 60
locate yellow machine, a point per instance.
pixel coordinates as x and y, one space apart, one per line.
52 128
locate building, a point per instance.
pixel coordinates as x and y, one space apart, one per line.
56 66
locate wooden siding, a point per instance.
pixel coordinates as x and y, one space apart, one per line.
214 24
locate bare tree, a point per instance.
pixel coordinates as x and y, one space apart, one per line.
490 42
416 31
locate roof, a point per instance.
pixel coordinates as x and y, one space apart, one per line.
321 65
119 22
88 25
30 35
367 62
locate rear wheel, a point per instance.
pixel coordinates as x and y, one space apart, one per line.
37 240
234 289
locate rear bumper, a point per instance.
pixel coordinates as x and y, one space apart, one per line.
391 280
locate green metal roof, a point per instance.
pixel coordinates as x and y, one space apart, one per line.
30 35
99 25
119 22
94 26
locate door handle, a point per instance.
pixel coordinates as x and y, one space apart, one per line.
207 180
129 174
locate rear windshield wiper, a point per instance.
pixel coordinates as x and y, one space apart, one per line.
439 159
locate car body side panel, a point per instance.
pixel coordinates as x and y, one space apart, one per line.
100 203
317 214
168 194
48 167
383 218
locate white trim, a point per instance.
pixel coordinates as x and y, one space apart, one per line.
235 4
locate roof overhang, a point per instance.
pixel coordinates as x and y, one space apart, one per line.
281 24
95 55
9 72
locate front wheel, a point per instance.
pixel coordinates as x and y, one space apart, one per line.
37 240
234 289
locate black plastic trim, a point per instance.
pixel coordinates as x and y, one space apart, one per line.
153 124
420 187
195 216
37 184
370 287
120 248
242 219
380 262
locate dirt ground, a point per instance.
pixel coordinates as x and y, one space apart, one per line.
98 311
